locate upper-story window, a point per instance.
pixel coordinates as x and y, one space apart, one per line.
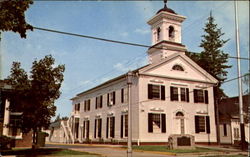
175 96
98 102
111 98
171 32
158 33
177 67
87 105
124 95
200 96
77 107
156 92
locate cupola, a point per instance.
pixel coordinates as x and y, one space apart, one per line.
166 34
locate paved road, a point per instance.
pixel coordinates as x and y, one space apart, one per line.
107 152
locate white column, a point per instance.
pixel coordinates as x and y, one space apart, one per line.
6 118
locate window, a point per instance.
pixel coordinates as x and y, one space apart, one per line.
87 105
178 68
98 128
111 98
202 124
158 33
124 95
225 129
156 92
110 127
124 126
76 127
156 123
174 94
15 125
77 107
98 102
200 96
236 133
171 32
86 129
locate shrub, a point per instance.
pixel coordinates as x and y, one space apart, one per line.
5 142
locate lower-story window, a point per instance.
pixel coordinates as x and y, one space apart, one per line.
110 127
202 124
124 126
86 129
156 123
98 128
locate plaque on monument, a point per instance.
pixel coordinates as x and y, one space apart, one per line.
183 141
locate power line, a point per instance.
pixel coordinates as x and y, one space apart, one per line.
114 41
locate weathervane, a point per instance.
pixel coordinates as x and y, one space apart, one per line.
165 3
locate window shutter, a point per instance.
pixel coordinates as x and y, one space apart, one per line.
83 134
89 104
206 96
163 123
108 99
113 130
101 102
114 98
162 92
208 124
121 126
95 129
195 95
197 124
100 128
122 95
107 128
150 88
96 103
187 94
150 122
88 129
171 93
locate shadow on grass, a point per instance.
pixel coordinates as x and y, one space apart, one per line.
43 151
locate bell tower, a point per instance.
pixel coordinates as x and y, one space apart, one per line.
166 34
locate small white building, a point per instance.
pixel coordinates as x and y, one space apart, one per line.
170 95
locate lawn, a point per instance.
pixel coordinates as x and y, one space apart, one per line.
166 149
45 152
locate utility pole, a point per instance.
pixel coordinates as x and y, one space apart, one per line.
242 128
129 83
1 62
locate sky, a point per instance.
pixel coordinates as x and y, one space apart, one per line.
90 62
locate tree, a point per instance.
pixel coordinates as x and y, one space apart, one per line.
213 60
12 16
35 95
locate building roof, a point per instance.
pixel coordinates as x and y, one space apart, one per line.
109 81
229 107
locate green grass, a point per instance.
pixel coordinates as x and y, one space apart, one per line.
45 151
166 149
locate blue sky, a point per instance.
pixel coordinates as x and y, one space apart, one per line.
89 62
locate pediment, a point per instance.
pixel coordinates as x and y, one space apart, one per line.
191 70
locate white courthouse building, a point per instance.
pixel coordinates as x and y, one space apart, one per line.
170 95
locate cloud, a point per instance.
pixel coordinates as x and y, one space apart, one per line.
131 65
124 34
142 31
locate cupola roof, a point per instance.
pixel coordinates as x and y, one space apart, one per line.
166 9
